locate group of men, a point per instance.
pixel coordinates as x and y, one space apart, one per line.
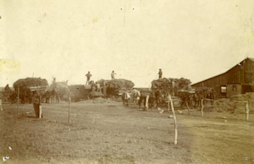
89 75
96 86
137 96
148 98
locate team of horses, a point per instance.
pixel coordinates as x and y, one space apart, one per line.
149 99
153 99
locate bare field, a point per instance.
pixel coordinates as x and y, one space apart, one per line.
103 131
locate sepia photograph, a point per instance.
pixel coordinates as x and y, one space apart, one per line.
126 82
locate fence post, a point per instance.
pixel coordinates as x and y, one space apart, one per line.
40 111
247 110
69 111
202 107
175 122
187 107
18 103
147 98
1 105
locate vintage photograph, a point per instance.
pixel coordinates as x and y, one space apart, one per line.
126 82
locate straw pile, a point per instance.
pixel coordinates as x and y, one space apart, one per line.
235 104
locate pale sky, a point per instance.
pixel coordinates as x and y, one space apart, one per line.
194 39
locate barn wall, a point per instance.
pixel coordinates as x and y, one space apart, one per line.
248 73
247 88
240 77
233 75
233 89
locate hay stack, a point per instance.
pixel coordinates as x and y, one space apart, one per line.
114 86
27 85
171 84
29 82
162 84
120 83
102 82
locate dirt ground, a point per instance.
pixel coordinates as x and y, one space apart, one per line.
103 131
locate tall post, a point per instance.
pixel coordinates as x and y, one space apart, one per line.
18 103
147 99
202 107
247 111
174 115
40 108
69 113
1 105
187 107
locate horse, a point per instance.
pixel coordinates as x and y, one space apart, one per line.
46 96
125 98
148 98
57 90
135 94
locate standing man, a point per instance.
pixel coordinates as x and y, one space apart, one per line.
113 75
98 87
36 104
157 95
160 74
88 76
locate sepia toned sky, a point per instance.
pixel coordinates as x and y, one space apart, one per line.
194 39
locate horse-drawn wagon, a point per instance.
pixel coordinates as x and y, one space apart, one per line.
116 87
25 88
